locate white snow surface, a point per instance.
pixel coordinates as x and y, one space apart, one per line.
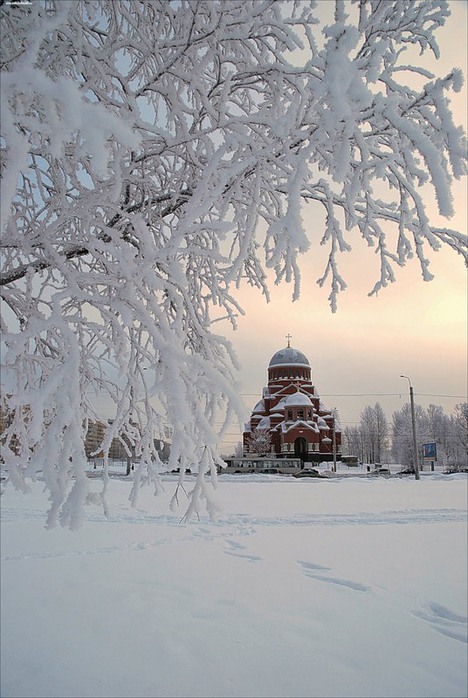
302 587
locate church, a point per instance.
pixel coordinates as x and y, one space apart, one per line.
290 420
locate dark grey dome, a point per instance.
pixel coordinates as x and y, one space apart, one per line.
288 356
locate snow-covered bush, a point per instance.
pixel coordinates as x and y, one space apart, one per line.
154 155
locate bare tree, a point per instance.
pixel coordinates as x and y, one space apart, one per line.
458 453
156 154
239 450
402 434
374 431
260 442
353 442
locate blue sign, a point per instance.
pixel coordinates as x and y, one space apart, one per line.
430 451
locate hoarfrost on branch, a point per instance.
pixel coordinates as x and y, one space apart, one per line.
156 155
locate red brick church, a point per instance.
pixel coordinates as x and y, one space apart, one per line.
290 421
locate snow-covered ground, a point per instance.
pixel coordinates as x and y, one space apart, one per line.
343 587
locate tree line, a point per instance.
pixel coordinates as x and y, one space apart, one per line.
376 439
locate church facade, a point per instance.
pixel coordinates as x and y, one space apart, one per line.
290 420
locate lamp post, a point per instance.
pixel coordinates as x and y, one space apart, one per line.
334 440
413 424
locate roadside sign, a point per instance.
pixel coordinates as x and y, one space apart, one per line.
429 451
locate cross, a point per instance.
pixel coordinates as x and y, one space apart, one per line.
289 337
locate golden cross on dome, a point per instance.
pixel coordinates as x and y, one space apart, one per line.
289 337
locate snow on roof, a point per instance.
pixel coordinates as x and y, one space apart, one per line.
277 414
283 390
264 423
281 426
287 356
259 407
299 423
299 399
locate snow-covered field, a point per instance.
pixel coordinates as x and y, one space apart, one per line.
344 587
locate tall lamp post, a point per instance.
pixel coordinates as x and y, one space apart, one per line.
334 439
413 424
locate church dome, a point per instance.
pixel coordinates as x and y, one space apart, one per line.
289 357
298 399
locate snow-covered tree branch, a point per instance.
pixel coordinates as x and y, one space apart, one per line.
156 154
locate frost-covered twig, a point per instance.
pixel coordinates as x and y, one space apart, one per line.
157 155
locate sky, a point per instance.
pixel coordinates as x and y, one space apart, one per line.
412 327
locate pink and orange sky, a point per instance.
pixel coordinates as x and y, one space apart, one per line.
412 327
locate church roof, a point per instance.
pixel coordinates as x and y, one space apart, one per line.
299 423
264 423
299 399
288 356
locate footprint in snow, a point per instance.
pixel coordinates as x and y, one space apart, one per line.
311 569
235 549
445 621
204 533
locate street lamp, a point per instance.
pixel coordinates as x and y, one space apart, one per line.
334 439
413 424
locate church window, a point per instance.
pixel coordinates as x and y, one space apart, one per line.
289 414
300 414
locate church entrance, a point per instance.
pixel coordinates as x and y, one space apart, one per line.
300 448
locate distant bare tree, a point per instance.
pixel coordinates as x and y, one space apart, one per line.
353 444
239 450
374 433
260 442
459 429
